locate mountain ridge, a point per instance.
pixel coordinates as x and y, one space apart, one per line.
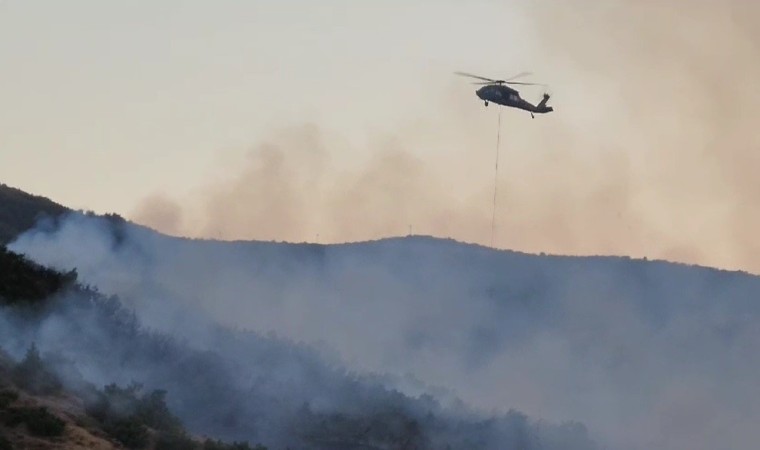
615 343
21 211
203 377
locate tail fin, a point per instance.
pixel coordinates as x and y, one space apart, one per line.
543 102
542 108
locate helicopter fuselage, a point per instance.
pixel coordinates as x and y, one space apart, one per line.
506 96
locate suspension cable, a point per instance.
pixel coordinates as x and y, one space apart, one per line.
496 179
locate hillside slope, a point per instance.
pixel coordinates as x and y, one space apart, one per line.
44 404
19 211
227 384
645 353
628 347
59 422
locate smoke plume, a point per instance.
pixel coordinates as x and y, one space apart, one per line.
644 354
650 152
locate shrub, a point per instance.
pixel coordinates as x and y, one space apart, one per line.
33 376
39 421
219 445
126 414
7 397
175 441
153 412
113 403
149 409
129 431
25 283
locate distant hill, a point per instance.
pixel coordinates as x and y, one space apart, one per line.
618 344
229 384
647 354
19 211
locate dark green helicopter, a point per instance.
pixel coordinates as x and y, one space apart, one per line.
497 92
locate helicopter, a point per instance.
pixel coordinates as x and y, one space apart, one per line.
497 92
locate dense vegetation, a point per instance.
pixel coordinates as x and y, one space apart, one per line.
237 386
249 388
20 211
39 421
26 282
500 327
131 417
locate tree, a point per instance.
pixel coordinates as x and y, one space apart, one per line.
33 376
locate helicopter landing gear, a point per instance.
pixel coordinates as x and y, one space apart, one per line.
532 116
486 102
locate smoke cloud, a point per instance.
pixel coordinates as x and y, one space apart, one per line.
647 355
674 84
650 152
242 380
293 189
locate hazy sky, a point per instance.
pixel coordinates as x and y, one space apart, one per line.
106 102
290 120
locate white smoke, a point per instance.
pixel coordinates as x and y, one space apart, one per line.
646 354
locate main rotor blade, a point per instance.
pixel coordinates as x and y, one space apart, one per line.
521 74
464 74
524 84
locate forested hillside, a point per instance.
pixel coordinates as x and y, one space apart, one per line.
615 343
46 404
19 211
399 343
67 344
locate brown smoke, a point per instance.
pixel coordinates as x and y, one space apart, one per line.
651 151
289 189
681 109
161 213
